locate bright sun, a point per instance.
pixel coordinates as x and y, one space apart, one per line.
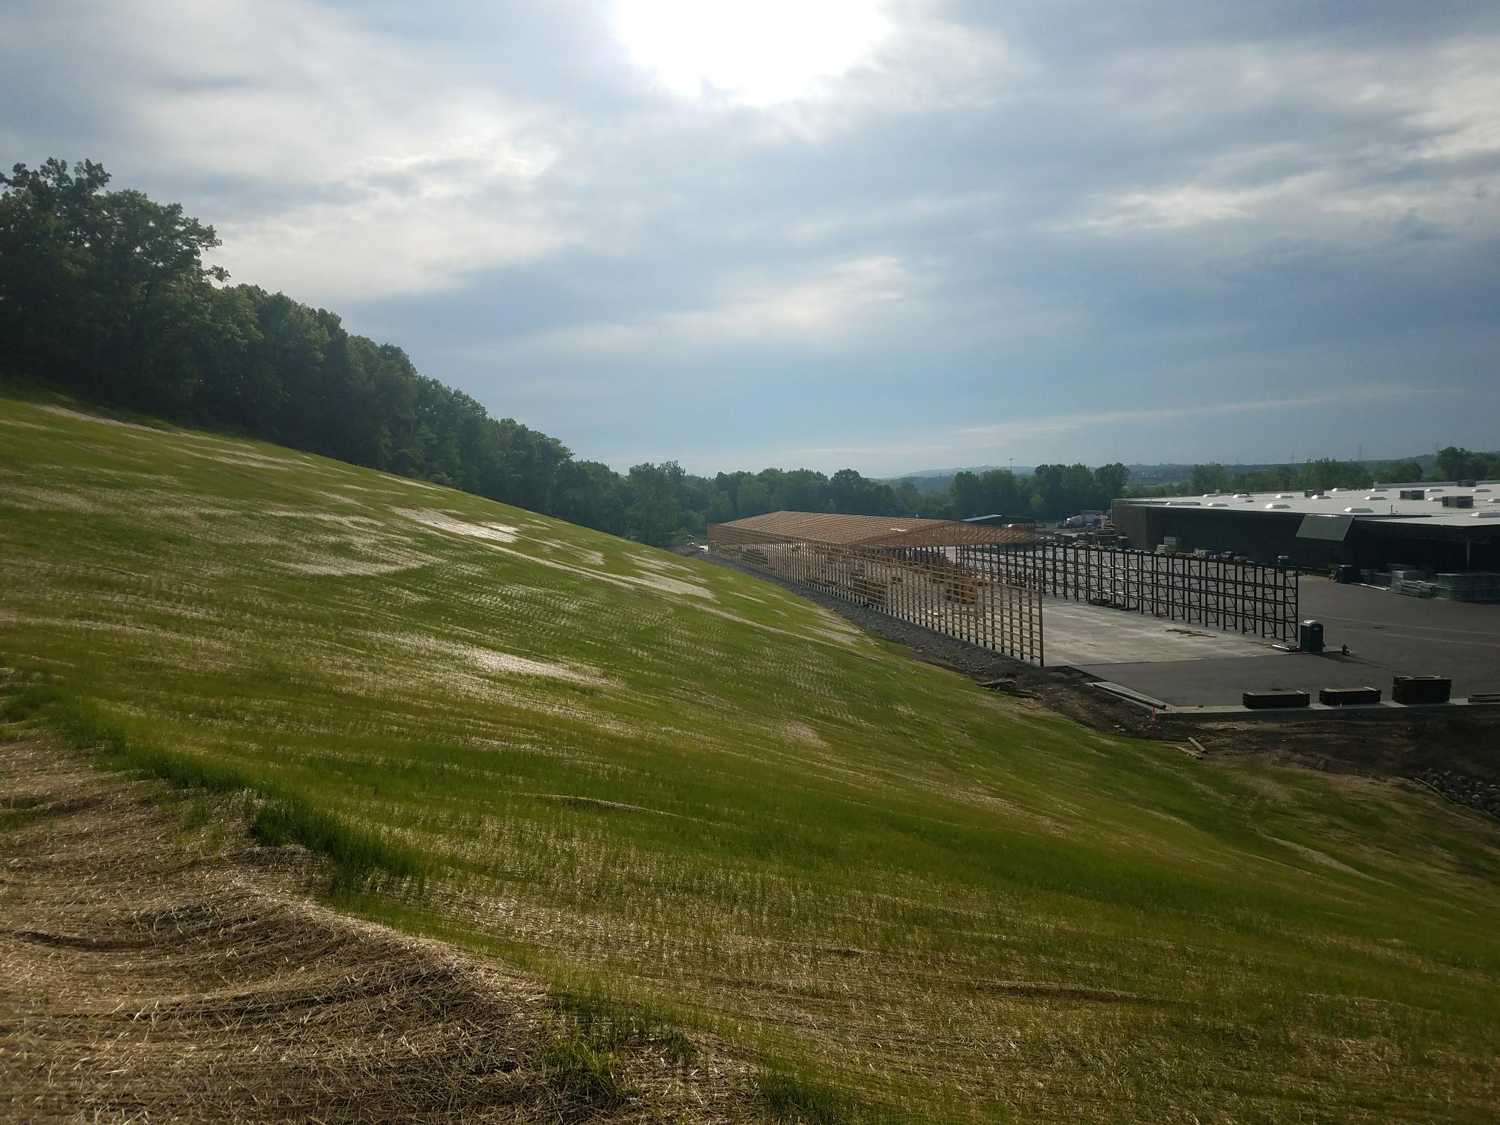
755 51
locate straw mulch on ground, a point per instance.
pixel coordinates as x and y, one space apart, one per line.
155 966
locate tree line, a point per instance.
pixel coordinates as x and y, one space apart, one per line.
106 294
1452 463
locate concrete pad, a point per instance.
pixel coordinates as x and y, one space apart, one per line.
1387 634
1222 682
1079 634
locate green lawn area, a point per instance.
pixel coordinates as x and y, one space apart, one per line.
645 775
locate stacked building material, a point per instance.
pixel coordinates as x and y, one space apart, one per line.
1470 586
1412 582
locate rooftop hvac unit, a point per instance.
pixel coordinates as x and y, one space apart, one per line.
1458 501
1413 494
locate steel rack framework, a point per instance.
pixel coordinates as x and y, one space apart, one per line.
1212 591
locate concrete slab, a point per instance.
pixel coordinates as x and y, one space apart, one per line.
1082 634
1387 635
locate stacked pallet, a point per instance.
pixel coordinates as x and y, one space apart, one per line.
1412 582
1472 586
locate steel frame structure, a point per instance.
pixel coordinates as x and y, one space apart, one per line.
1220 593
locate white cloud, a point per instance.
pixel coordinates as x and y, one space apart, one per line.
1330 205
993 434
932 63
1379 121
752 52
792 71
950 202
1036 436
387 243
1185 205
819 308
812 228
368 170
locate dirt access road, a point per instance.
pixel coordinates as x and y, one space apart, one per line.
149 973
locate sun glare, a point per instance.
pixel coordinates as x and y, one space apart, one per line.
754 51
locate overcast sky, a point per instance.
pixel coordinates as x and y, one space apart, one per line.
891 236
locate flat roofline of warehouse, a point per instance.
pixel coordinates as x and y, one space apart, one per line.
1382 503
872 531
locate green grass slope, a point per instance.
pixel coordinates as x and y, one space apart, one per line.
684 787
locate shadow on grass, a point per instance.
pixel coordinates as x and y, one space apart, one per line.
796 1096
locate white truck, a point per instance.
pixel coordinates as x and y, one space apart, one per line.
1085 520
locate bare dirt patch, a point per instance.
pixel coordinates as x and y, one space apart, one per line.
247 459
31 496
64 412
493 660
655 581
442 521
147 975
801 732
339 566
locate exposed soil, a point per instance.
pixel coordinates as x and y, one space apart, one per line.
1456 753
147 973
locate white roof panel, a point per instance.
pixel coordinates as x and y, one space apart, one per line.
1383 503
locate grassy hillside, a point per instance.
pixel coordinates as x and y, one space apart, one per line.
684 787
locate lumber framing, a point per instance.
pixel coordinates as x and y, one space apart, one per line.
910 569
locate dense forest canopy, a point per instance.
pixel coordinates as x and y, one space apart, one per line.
106 294
1451 464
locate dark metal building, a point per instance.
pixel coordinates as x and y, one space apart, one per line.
1433 527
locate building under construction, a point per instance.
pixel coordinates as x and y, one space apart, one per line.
986 584
928 572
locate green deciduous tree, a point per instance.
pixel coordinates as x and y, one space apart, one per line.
1208 478
652 515
1401 472
1457 463
102 291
